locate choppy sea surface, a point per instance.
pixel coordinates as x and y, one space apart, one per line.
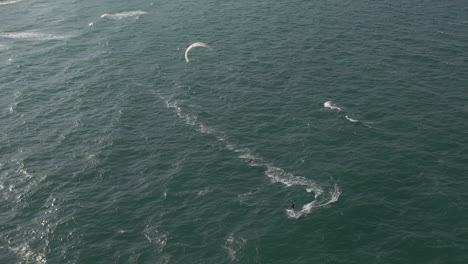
114 149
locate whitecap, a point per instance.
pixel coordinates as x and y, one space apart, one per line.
203 192
12 108
30 35
330 105
9 2
119 16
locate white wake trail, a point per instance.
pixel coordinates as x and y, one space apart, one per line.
276 174
332 106
351 120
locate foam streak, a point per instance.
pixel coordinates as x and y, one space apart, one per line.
119 16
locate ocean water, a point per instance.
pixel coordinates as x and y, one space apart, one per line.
114 149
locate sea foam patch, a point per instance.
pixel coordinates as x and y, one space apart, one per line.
119 16
28 255
233 244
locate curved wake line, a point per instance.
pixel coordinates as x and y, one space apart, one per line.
307 208
330 105
119 16
351 120
276 174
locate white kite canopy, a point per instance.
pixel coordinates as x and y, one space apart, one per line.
196 44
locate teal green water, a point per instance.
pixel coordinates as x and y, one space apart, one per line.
114 149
